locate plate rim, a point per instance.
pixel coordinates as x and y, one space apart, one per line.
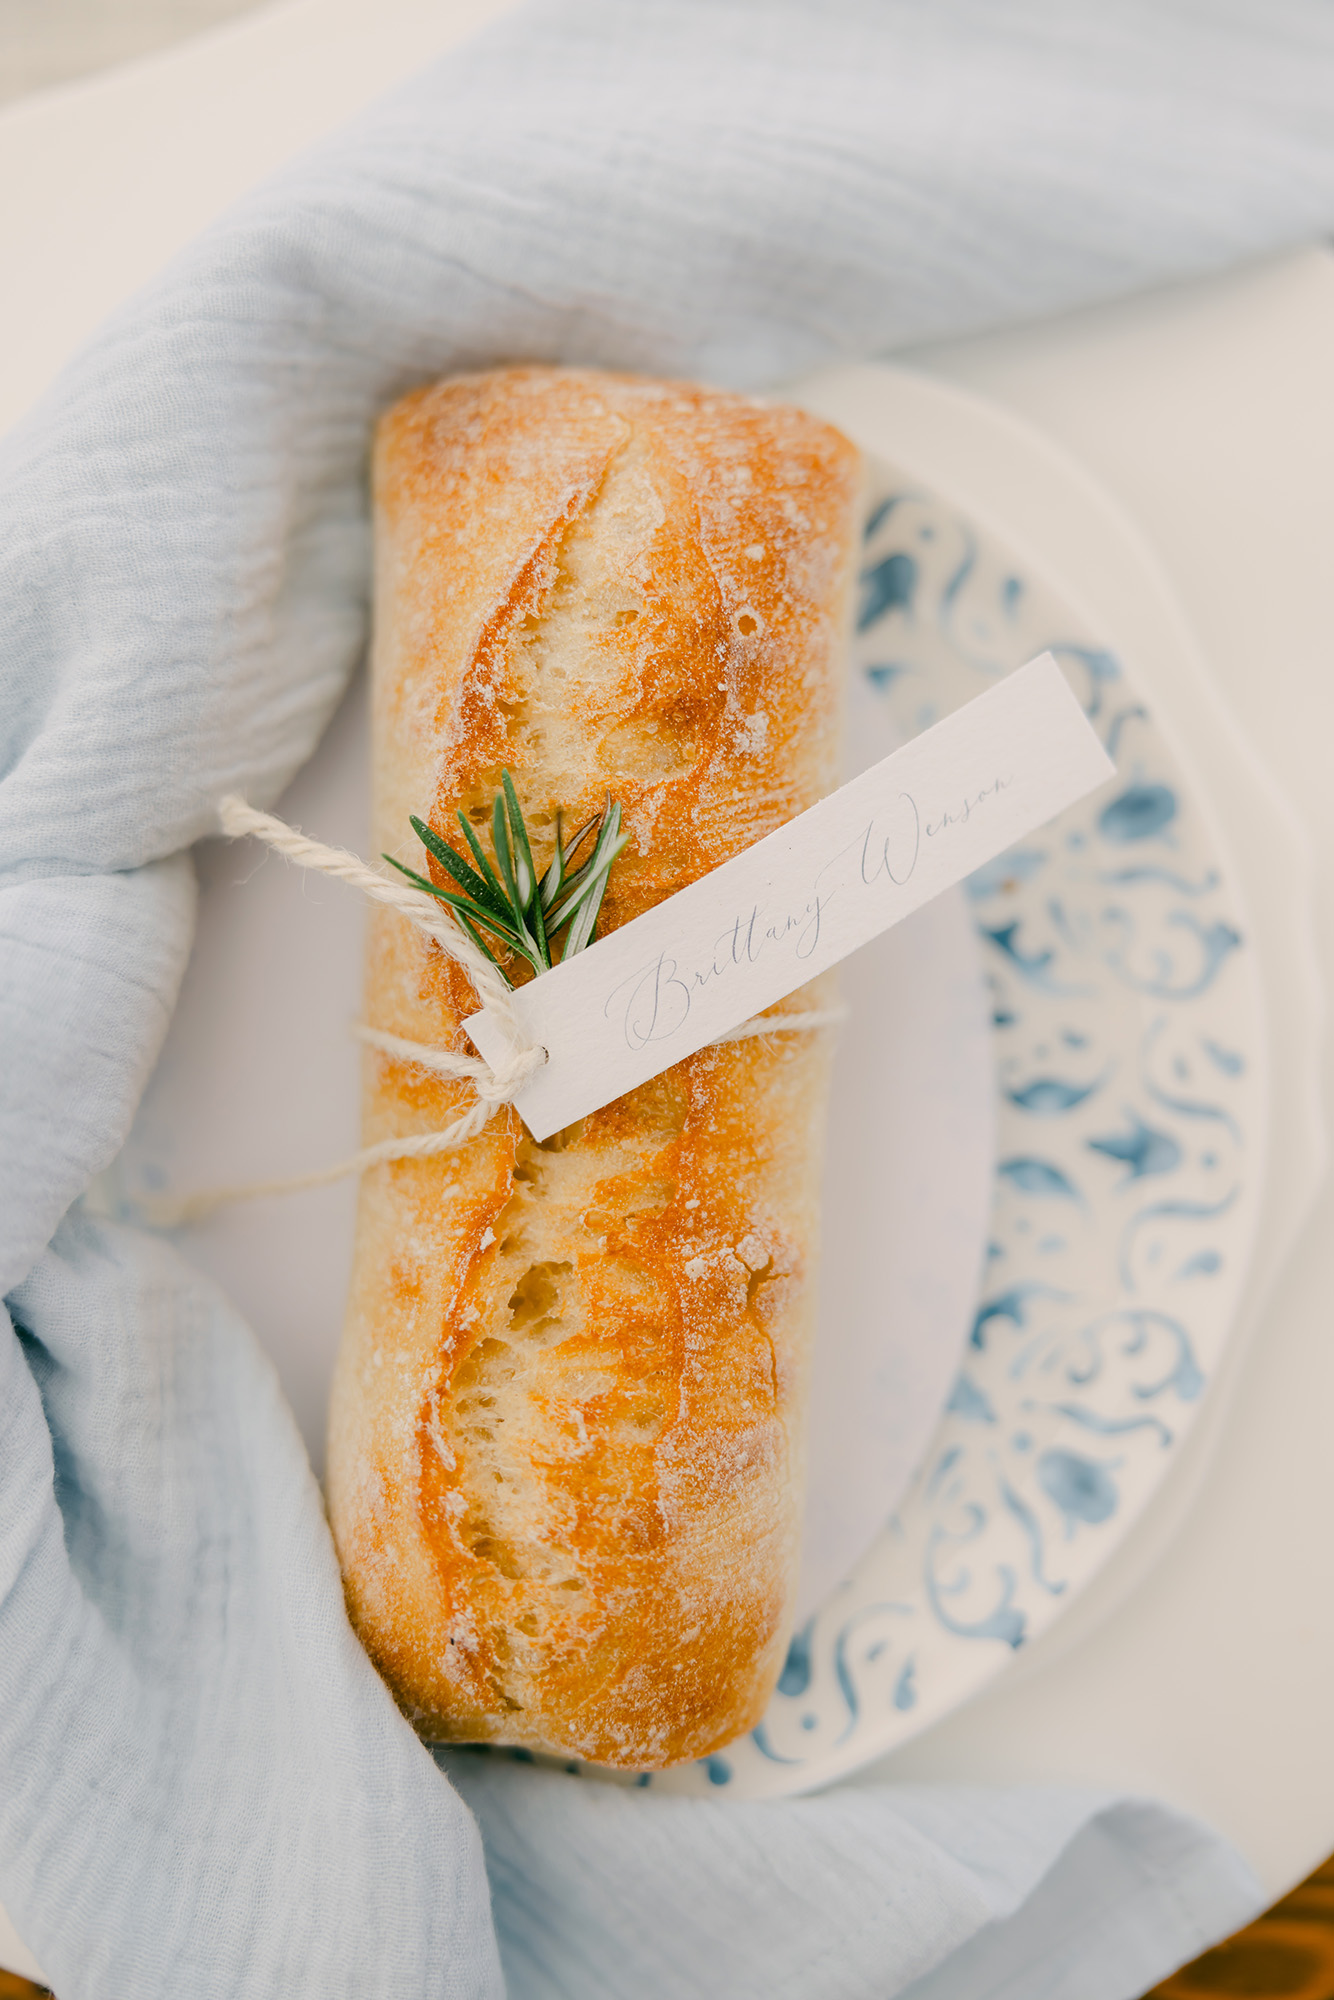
840 395
1295 1005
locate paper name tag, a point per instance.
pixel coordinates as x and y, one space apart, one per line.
799 900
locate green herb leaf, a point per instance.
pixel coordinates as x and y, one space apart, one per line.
485 866
524 871
482 944
525 875
501 925
467 878
500 840
521 913
557 875
549 887
585 900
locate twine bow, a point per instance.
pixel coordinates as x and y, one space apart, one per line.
493 1084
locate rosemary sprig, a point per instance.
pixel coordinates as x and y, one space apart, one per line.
504 906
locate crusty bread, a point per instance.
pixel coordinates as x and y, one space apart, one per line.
567 1435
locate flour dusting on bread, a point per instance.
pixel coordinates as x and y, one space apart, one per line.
567 1437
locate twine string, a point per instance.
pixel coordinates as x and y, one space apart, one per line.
493 1084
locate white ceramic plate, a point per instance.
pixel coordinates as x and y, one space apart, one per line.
1120 1237
1001 472
1132 1065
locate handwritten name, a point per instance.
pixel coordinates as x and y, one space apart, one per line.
654 1003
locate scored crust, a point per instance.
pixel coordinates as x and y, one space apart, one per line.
566 1443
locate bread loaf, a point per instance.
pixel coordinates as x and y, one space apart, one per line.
567 1433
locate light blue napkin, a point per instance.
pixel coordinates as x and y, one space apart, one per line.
204 1789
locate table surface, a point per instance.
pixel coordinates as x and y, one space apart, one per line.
49 42
1208 412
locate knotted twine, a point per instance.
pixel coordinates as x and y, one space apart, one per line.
493 1084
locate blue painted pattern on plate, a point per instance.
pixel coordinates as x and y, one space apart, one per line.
1128 1068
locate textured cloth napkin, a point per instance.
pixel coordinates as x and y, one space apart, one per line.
204 1789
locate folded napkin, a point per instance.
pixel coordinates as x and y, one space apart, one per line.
204 1788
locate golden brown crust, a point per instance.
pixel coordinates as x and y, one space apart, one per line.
567 1432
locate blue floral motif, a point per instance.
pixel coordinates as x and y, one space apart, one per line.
1049 1096
1100 667
1113 1426
1181 968
1142 1148
888 585
1142 1239
1138 814
1170 876
1038 1177
1034 965
1011 1305
1081 1489
1002 1619
967 1400
796 1675
1158 1054
1032 1528
1117 962
1204 1264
